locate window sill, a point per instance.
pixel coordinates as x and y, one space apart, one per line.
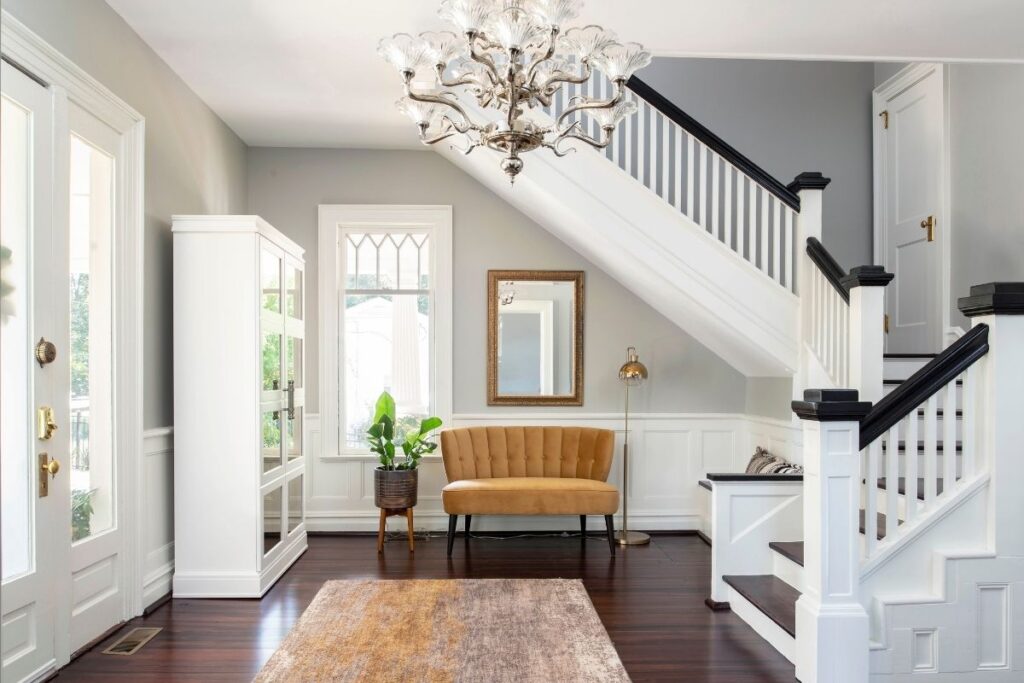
363 457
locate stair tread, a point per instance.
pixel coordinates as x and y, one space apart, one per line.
880 524
901 486
920 445
959 382
906 356
793 550
770 594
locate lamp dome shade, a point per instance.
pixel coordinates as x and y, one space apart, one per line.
633 372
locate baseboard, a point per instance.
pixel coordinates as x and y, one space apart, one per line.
437 521
157 584
704 537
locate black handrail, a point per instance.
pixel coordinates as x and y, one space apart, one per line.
927 381
717 144
828 266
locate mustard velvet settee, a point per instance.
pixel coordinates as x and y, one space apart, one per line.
528 471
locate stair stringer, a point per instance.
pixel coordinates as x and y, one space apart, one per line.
655 251
923 601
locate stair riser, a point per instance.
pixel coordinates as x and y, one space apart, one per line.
889 388
762 625
788 570
902 368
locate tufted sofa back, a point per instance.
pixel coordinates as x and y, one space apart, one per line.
493 452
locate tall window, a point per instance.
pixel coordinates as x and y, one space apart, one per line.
392 318
387 326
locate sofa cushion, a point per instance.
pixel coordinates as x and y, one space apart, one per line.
530 496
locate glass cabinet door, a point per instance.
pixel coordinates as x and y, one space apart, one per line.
294 360
273 385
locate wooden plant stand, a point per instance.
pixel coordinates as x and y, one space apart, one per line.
397 512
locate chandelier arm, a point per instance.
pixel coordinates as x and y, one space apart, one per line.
559 77
606 138
482 58
531 72
438 99
468 79
594 104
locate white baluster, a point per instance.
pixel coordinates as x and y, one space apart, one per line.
703 167
714 228
741 216
627 147
666 157
949 438
752 222
765 256
677 190
790 251
910 466
776 240
727 222
870 499
641 140
892 479
652 149
967 460
931 465
690 185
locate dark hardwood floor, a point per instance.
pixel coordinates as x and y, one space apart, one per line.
650 598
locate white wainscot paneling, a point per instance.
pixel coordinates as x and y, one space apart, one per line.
669 454
158 527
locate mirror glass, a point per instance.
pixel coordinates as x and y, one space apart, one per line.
535 338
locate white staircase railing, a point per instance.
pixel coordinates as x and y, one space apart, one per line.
704 178
828 330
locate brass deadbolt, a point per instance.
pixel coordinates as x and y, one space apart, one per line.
46 352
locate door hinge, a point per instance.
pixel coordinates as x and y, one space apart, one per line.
885 322
885 119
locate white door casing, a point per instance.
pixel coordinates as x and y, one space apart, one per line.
910 183
98 582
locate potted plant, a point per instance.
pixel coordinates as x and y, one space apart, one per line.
395 481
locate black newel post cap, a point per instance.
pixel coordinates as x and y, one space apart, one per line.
809 180
831 405
866 276
999 298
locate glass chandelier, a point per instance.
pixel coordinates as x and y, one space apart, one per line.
512 56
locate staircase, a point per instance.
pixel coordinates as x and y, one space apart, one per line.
899 551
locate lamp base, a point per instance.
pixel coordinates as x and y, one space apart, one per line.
632 538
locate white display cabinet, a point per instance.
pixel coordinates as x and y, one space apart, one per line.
239 400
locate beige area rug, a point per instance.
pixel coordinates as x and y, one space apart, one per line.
473 631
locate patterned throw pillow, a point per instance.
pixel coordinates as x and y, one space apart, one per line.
764 462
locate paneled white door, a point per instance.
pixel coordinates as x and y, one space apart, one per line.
911 183
35 503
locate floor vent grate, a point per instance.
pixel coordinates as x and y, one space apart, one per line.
132 642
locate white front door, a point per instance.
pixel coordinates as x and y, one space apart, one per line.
34 536
911 130
63 566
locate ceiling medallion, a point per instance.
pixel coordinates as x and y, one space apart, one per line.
511 56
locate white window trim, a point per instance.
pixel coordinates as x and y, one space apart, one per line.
369 218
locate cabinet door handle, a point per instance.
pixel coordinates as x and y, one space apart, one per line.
929 225
291 399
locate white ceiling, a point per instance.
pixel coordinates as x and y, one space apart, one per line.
306 73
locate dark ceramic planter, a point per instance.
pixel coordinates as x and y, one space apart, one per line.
395 489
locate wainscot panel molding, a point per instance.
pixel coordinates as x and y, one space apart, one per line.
670 453
158 513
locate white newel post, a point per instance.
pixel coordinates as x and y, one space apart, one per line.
809 186
866 285
998 406
831 624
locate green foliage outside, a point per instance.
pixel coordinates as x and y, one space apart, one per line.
79 357
81 514
383 434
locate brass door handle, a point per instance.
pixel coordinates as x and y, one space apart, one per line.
46 467
51 468
46 425
291 399
929 225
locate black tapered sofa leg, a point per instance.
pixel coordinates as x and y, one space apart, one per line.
583 527
469 518
453 521
610 525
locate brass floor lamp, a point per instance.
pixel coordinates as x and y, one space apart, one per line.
632 373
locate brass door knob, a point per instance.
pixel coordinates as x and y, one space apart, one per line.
52 468
46 352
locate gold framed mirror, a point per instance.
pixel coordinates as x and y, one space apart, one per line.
535 337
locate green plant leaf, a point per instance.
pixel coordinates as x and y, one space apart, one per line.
385 407
387 428
375 430
430 424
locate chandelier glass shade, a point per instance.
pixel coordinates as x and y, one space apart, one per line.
511 56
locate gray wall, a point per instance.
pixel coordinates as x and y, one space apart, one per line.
986 111
788 117
194 162
287 185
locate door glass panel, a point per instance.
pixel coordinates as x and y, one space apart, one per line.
293 361
270 281
271 519
271 451
293 286
294 503
295 436
17 476
271 361
90 352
